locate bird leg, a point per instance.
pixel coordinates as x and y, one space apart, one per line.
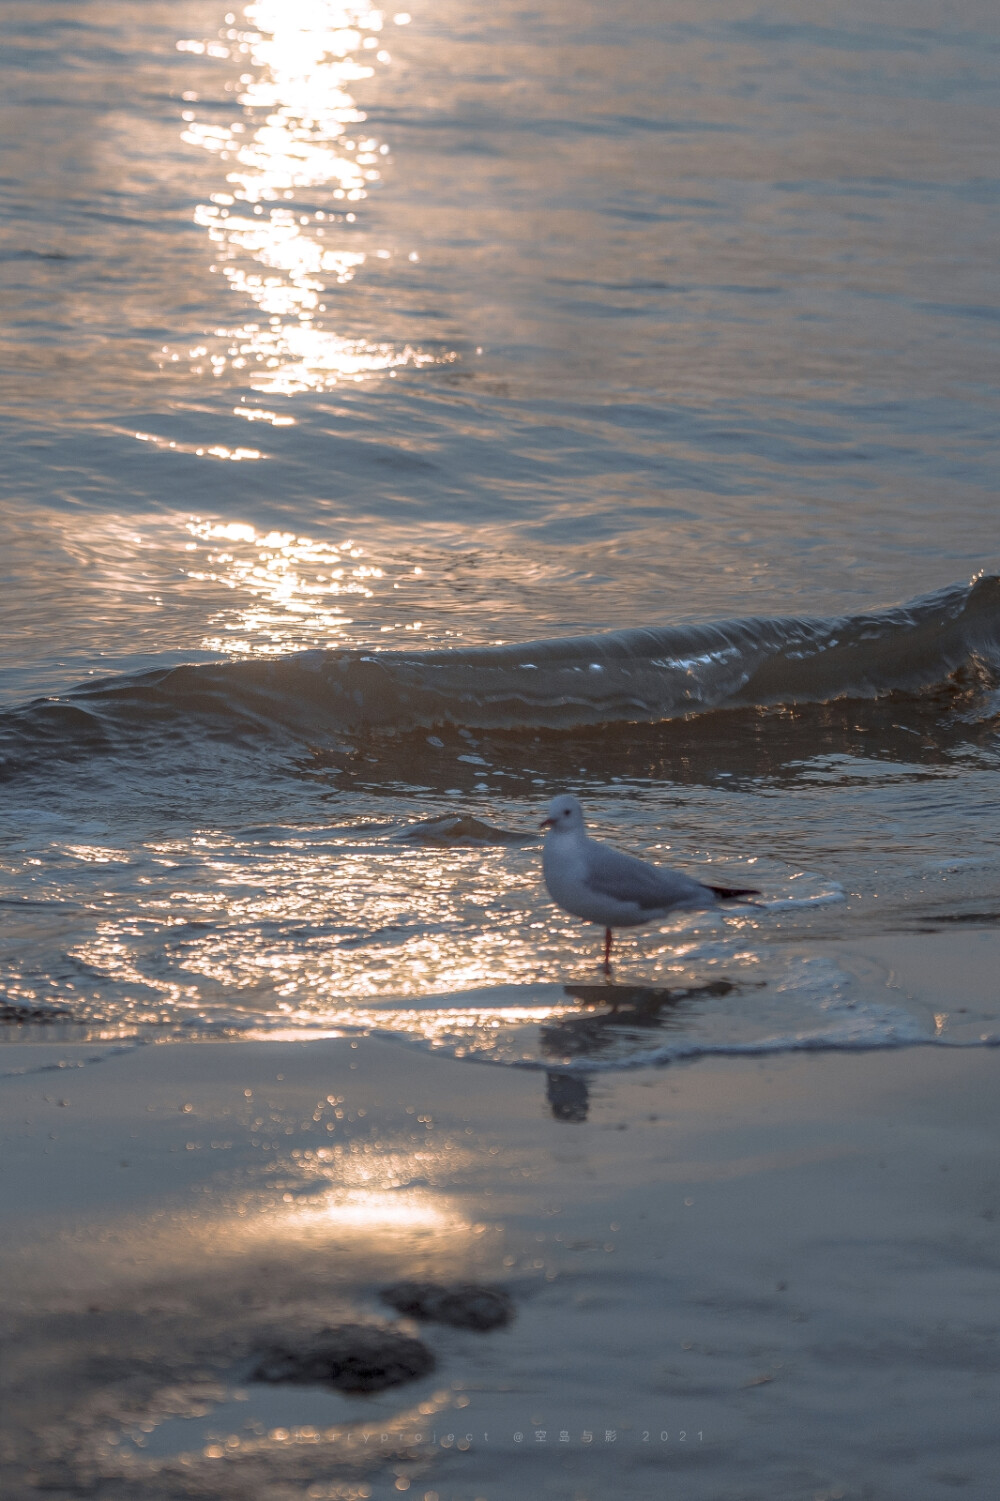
607 951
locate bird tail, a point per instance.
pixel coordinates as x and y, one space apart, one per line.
733 893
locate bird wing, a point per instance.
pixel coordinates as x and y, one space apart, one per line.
626 879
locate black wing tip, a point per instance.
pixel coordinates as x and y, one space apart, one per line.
733 893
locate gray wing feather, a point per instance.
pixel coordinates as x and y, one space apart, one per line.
627 879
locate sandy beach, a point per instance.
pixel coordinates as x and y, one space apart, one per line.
733 1278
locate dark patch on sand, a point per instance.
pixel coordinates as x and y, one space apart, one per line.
350 1357
463 1305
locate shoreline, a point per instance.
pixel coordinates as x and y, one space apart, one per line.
750 1249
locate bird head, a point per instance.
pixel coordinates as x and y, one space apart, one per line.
565 814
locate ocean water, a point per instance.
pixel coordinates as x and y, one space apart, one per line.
408 416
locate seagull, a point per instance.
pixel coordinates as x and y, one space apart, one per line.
600 884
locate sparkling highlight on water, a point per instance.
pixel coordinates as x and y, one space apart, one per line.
300 164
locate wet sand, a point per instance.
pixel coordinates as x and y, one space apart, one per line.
735 1278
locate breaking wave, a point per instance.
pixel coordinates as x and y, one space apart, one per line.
638 676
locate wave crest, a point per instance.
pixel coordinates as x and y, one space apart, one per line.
637 676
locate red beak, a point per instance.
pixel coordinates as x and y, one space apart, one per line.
547 823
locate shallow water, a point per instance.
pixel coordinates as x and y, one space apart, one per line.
387 363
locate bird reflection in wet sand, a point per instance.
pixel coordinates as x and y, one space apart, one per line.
610 1010
602 885
568 1096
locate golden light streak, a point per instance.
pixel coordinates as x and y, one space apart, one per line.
288 587
301 161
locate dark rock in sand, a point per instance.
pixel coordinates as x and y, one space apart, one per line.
464 1305
351 1357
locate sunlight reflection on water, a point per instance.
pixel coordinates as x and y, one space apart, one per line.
302 141
292 582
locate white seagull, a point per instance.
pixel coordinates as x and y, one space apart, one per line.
602 885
